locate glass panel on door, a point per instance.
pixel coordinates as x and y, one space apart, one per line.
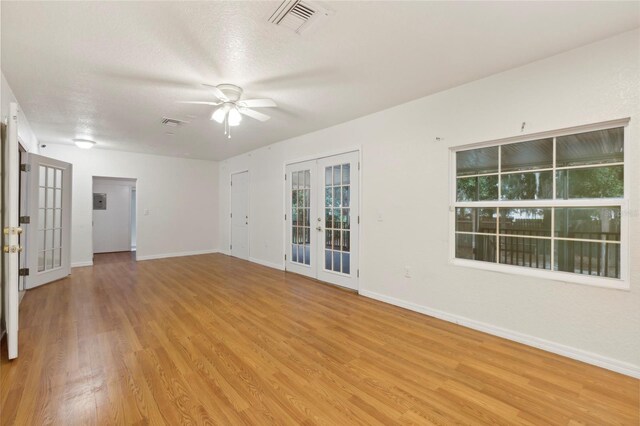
322 219
301 217
337 250
49 222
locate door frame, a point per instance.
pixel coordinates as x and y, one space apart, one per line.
23 209
11 222
132 220
248 209
311 157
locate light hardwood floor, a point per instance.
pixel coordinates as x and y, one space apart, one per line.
215 340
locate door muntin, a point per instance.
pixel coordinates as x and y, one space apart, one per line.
337 216
49 222
300 229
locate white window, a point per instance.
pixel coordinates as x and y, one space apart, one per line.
551 205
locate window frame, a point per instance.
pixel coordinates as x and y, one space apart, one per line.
622 283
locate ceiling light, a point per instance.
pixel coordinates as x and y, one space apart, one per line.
219 114
234 117
84 143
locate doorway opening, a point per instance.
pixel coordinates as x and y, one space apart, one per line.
114 215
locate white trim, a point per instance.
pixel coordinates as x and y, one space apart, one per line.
526 339
267 264
82 264
564 277
526 137
333 153
538 237
547 169
177 254
576 202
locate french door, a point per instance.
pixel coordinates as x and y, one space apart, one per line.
322 219
48 251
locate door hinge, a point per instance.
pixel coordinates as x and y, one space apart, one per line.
358 273
285 176
358 165
25 219
25 167
23 272
358 219
230 246
285 257
285 216
230 214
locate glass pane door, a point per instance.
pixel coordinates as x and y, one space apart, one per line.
322 219
301 218
49 233
339 220
337 215
49 218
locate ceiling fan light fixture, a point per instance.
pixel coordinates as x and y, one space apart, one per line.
84 143
234 117
219 114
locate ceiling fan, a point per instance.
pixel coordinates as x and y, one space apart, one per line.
231 107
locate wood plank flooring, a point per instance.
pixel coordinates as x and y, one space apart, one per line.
215 340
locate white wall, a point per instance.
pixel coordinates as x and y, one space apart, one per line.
113 225
25 133
405 180
180 195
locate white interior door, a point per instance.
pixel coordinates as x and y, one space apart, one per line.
11 228
322 223
112 222
240 215
49 237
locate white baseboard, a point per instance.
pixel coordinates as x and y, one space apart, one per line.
267 264
81 264
177 254
557 348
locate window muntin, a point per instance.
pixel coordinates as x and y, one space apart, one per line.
545 176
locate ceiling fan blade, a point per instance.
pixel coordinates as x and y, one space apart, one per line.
217 92
257 103
254 114
200 102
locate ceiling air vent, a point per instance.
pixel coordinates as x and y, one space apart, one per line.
298 15
171 122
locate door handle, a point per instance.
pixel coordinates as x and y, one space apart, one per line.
319 228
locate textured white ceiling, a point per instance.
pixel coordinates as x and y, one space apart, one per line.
112 70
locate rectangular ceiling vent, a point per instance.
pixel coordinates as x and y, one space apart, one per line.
298 15
171 122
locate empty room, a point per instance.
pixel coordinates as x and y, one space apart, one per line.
308 212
